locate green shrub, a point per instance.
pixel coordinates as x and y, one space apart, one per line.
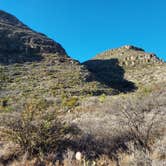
102 98
146 90
69 102
4 104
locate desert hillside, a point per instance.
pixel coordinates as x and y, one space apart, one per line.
54 110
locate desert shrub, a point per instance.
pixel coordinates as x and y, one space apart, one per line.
119 121
146 90
5 105
2 77
102 98
69 102
36 131
141 158
142 117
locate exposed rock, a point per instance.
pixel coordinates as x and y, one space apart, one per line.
7 18
18 43
130 47
130 56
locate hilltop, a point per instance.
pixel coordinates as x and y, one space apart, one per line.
21 44
130 56
127 63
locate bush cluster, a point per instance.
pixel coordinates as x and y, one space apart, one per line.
35 130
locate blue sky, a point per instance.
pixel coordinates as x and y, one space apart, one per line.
87 27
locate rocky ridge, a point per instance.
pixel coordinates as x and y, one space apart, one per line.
20 44
130 56
127 63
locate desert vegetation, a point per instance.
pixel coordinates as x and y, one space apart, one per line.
56 111
122 131
108 119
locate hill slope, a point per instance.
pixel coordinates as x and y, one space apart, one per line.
129 63
20 44
51 106
33 65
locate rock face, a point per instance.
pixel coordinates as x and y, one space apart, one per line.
130 56
18 43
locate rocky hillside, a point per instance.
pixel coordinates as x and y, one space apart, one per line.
128 63
55 111
130 56
20 44
33 65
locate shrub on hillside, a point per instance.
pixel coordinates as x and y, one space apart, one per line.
36 131
143 117
126 123
69 103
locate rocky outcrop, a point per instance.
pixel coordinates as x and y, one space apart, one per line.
7 18
127 68
130 56
18 43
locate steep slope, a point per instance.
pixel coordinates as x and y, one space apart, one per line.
34 66
20 44
128 63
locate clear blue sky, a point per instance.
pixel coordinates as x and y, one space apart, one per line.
87 27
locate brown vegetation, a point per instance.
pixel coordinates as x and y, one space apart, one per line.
110 132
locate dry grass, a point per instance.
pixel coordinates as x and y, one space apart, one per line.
111 127
127 130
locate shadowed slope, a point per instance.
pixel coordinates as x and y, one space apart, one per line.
108 72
